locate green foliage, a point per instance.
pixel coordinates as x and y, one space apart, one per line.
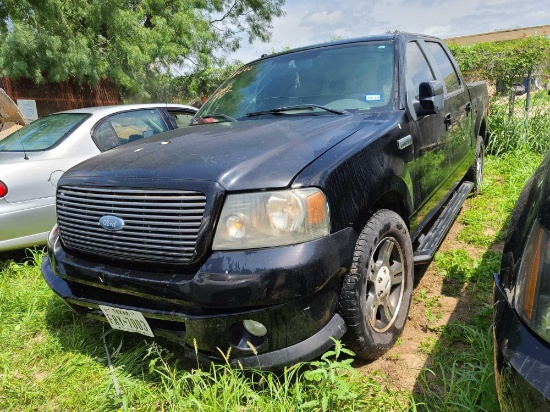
460 380
330 379
201 83
507 61
128 41
460 267
486 217
504 63
520 132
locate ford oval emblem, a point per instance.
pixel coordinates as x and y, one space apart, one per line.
109 222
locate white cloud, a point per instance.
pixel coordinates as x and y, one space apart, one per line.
324 17
438 31
316 21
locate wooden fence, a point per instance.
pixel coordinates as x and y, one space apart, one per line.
56 97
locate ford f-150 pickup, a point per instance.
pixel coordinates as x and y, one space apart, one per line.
292 211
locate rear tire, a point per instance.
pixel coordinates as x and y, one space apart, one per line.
475 173
376 293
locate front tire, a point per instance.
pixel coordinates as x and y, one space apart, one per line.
376 293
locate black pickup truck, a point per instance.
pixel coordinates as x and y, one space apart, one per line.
291 211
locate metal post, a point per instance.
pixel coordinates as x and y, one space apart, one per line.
528 98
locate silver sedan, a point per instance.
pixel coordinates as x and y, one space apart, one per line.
33 159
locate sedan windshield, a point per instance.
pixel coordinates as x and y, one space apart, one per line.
322 81
43 133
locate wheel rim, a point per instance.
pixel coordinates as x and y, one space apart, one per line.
479 168
385 284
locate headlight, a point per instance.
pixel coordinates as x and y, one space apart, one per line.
533 287
265 219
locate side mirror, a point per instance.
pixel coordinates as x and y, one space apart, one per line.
432 98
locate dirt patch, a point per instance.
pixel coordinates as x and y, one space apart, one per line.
430 310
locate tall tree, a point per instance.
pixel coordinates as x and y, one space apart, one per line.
128 41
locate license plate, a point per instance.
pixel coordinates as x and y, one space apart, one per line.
127 320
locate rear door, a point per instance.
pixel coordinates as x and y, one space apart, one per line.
457 109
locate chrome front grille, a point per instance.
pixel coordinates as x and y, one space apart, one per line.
160 226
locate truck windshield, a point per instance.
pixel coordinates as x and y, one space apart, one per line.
42 134
349 77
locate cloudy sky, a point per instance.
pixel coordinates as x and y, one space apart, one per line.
316 21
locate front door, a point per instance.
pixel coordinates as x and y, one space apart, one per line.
432 157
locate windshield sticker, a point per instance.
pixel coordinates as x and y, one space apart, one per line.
373 97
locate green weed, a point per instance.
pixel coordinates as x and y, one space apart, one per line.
461 378
522 131
486 217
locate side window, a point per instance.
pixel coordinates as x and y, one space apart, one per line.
126 127
445 65
137 124
418 70
104 136
182 119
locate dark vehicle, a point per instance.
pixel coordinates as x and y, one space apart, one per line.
522 301
292 211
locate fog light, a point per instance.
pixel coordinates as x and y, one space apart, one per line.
254 328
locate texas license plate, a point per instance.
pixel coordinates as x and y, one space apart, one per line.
127 320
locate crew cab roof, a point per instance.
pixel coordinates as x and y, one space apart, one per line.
377 37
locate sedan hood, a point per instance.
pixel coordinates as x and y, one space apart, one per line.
254 154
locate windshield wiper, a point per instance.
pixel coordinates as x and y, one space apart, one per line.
281 110
212 118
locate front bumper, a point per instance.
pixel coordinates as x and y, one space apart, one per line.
522 360
292 290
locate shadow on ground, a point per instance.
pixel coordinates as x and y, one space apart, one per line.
458 372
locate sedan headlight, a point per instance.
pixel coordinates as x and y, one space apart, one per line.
533 287
266 219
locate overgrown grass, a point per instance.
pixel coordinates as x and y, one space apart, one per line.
461 378
520 132
486 217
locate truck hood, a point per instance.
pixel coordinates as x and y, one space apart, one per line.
254 154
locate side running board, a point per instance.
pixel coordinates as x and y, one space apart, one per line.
430 242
